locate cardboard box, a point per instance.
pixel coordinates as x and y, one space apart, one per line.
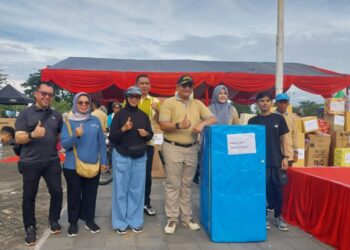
342 157
301 150
301 140
310 124
336 122
7 122
244 118
299 125
317 150
341 139
157 166
301 158
347 121
334 106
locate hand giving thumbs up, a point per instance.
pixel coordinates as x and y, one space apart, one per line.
128 125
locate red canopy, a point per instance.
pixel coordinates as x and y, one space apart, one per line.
109 77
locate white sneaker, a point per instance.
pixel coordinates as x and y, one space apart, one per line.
191 225
170 227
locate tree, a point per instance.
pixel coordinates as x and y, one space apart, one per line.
3 78
308 108
62 99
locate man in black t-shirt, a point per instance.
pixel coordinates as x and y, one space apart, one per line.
276 159
37 130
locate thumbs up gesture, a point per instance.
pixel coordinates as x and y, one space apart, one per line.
79 131
185 123
39 131
142 132
128 125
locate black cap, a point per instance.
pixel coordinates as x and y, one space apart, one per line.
184 79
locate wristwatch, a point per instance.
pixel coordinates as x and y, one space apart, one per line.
177 125
30 136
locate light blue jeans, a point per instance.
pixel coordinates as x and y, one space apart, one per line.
128 191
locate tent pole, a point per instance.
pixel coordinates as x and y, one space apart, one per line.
279 48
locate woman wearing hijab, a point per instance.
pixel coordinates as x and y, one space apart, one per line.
224 112
89 140
129 132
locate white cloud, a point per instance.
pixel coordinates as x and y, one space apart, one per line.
34 34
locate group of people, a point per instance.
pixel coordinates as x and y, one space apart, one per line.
182 119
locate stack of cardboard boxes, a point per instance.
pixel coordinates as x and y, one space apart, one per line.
316 145
339 120
316 148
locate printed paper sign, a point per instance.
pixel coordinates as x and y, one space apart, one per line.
301 154
337 106
241 144
158 139
339 120
311 125
347 158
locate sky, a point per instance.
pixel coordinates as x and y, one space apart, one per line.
37 33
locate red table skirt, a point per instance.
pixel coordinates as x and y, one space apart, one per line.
318 201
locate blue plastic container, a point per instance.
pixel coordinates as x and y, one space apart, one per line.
233 183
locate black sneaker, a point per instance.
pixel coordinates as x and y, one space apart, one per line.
93 227
73 230
30 239
149 210
55 228
122 231
137 230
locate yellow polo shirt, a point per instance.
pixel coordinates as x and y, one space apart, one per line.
174 110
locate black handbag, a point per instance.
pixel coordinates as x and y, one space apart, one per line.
18 147
137 151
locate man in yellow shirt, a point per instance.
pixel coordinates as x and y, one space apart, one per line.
182 119
96 111
149 105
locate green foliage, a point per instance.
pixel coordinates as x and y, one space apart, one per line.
62 100
308 108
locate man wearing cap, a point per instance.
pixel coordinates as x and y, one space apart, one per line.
182 119
282 103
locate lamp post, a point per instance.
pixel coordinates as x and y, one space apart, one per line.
279 48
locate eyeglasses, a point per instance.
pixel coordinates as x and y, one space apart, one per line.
187 85
44 93
136 97
83 103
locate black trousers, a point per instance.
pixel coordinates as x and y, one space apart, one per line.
81 196
51 171
274 190
148 184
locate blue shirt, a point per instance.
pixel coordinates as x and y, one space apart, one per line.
91 146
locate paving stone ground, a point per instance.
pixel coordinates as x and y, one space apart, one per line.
12 235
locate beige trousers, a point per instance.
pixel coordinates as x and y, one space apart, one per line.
180 168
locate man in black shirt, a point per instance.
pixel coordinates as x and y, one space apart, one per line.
37 129
276 159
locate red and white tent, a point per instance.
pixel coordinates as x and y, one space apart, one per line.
107 78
